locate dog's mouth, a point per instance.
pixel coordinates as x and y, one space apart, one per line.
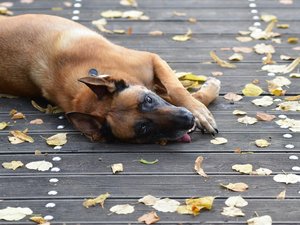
186 138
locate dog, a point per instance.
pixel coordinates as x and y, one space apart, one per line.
107 91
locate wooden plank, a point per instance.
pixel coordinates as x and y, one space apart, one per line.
174 164
200 143
136 186
72 212
176 27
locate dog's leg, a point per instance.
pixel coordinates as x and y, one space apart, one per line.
181 97
209 91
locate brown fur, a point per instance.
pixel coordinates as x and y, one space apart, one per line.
45 56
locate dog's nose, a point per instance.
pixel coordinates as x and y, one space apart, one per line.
187 118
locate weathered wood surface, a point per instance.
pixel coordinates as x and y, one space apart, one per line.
84 167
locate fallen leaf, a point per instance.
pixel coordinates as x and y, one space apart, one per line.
148 200
286 57
281 195
232 212
268 17
132 14
183 37
244 32
122 209
195 205
287 178
218 141
262 143
289 106
262 172
156 33
118 167
282 68
94 201
239 112
237 187
48 110
264 49
39 165
175 13
221 62
292 98
13 165
7 4
166 205
198 166
3 125
36 121
192 20
247 120
286 2
264 101
283 26
39 220
143 161
293 40
217 73
275 89
236 201
15 140
100 24
57 139
243 168
21 135
268 59
129 3
244 39
236 57
149 218
27 1
242 49
18 116
233 97
264 116
14 214
295 75
252 90
262 220
111 14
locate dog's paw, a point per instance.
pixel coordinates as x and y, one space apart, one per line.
204 119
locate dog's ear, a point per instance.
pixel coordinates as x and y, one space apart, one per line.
103 85
86 124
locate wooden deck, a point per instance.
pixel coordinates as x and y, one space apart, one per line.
84 169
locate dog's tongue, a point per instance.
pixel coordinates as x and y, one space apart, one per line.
185 138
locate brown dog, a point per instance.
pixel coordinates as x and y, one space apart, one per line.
140 100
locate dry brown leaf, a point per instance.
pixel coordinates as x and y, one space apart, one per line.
237 187
149 218
195 205
39 220
15 140
13 165
118 167
17 116
94 201
221 62
264 116
233 97
268 59
57 139
21 135
198 166
293 40
48 110
36 121
292 98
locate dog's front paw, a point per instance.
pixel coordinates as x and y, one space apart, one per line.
204 119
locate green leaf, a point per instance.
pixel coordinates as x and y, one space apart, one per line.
148 162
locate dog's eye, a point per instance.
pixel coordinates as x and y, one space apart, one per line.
148 99
143 128
93 72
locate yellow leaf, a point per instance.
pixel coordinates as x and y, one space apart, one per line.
3 125
221 62
57 139
38 220
94 201
13 165
183 37
218 141
268 18
262 143
283 26
39 165
21 135
15 140
192 77
243 168
111 14
281 195
293 40
252 90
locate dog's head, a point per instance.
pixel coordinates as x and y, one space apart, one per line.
135 114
